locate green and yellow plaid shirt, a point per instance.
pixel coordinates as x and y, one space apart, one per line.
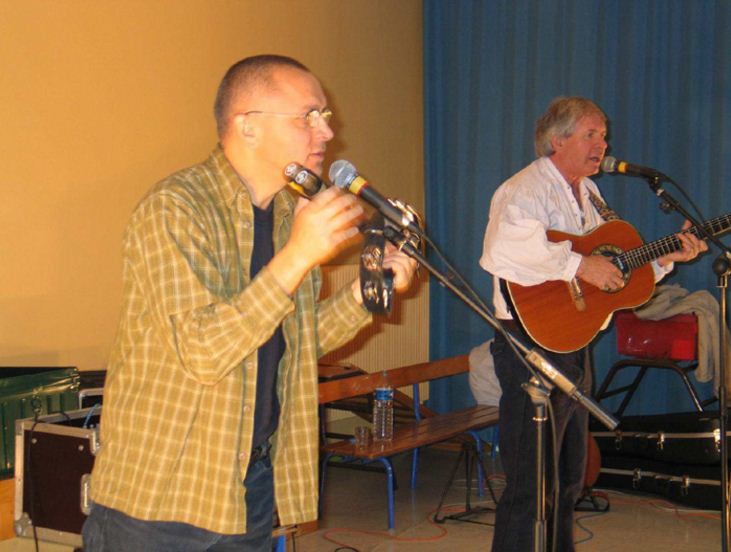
179 395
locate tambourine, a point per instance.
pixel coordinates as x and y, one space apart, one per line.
376 283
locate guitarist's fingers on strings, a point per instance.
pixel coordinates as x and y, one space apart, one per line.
691 247
599 271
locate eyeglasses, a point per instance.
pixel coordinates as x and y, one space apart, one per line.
311 118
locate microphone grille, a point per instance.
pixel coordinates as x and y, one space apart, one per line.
341 173
609 164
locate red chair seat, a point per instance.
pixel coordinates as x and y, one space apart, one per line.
652 344
673 338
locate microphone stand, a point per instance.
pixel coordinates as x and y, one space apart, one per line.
721 267
545 377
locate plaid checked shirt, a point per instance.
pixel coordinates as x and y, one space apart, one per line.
179 396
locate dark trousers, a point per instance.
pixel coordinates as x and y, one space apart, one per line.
108 530
516 510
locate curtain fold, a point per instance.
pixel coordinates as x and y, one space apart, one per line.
660 69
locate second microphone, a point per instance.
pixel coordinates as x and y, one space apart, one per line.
344 175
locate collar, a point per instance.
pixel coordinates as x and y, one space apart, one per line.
232 185
547 165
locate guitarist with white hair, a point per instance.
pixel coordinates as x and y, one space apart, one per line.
551 194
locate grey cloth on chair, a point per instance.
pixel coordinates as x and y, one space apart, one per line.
671 299
483 382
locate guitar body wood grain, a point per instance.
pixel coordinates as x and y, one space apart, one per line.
549 313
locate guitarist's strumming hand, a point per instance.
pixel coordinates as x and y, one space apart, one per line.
599 271
691 248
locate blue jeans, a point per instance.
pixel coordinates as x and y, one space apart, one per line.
516 510
108 530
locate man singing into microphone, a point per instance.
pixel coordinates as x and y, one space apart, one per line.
210 406
552 193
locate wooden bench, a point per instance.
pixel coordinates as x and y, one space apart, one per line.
427 427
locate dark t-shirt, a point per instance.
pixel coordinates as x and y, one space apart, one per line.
266 414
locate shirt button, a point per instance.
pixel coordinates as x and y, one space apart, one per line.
242 456
247 408
246 225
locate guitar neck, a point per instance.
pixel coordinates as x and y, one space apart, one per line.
635 258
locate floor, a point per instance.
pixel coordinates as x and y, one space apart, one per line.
354 516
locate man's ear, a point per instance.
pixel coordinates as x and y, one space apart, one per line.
557 142
245 130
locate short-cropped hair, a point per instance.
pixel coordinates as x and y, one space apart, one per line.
243 77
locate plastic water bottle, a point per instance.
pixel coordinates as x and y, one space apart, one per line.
383 411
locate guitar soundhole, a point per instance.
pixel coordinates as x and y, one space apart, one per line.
613 252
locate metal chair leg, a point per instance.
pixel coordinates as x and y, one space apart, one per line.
414 466
389 488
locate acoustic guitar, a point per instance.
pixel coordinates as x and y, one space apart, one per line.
565 316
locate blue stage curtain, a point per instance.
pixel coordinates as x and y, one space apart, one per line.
660 69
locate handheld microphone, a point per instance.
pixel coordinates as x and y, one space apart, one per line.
610 165
303 180
344 175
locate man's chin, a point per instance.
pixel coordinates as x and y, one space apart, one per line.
315 167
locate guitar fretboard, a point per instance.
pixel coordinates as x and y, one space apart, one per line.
635 258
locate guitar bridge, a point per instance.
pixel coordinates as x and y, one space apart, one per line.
577 295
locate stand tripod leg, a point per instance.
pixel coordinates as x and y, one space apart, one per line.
437 519
469 454
468 477
483 472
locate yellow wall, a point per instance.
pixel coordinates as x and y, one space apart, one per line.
100 99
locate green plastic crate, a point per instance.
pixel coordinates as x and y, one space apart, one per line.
27 392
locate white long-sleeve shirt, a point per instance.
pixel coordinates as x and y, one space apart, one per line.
524 207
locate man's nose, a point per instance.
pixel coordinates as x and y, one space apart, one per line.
324 131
